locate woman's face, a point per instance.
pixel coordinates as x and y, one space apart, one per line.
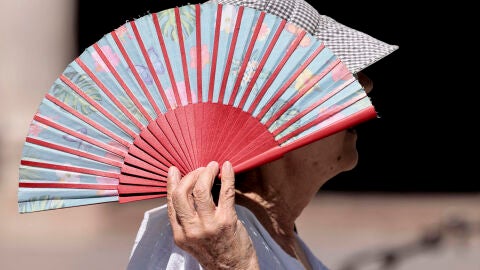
328 157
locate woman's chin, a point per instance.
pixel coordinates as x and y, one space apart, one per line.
352 163
350 154
349 158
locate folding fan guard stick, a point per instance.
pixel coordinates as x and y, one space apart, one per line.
182 87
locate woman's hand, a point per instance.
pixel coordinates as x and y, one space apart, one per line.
212 234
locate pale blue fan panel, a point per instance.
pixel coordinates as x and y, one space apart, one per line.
326 88
271 64
314 95
265 37
36 174
50 203
325 85
149 37
227 26
330 99
362 104
91 58
260 45
331 89
81 80
341 101
298 58
51 135
245 33
116 58
189 28
26 194
64 93
168 25
207 18
350 92
33 152
51 111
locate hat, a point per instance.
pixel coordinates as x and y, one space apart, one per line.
356 49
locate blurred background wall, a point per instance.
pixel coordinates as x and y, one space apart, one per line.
407 197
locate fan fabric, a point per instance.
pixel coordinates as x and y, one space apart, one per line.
356 49
182 87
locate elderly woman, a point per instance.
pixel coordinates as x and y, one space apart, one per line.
252 225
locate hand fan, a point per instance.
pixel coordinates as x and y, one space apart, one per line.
182 87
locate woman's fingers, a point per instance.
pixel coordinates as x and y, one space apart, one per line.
172 183
226 200
182 198
202 192
190 199
213 235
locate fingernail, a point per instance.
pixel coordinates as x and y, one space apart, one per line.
212 164
227 166
172 172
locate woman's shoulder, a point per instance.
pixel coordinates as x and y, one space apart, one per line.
154 246
268 250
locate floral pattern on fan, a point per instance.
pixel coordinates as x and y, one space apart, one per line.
76 140
35 129
250 70
123 33
100 64
169 26
41 203
205 56
157 65
264 32
68 177
182 87
64 93
228 19
294 29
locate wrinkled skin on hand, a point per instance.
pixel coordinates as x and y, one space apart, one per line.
212 234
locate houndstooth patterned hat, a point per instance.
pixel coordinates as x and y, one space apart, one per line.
356 49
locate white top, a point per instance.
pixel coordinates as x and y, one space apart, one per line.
154 247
